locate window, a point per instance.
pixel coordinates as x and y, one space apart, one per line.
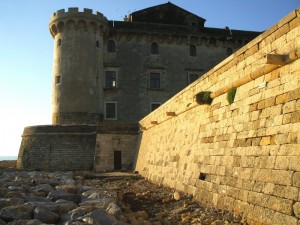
193 51
110 79
192 77
111 47
97 44
229 51
110 110
57 79
154 105
59 42
154 48
154 80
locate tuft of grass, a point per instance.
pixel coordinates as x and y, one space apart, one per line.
203 97
231 95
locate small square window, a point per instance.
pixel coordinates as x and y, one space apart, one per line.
192 78
154 80
154 105
57 79
110 110
110 79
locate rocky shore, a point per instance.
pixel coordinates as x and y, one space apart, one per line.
37 197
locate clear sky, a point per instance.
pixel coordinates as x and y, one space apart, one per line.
26 48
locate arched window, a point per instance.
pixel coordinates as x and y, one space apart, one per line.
111 47
154 48
229 51
193 51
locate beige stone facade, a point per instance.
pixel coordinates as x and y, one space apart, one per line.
243 156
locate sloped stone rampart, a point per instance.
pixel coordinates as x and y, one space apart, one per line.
242 157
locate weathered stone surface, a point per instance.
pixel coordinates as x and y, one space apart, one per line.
296 208
4 202
45 216
10 213
65 206
56 195
100 216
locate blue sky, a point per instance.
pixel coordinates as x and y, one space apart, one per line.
26 48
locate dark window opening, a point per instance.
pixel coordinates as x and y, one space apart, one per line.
59 42
117 160
154 80
97 44
193 51
154 106
192 78
154 48
57 79
229 51
111 47
110 79
202 176
110 110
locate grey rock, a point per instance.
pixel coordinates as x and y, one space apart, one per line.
5 202
65 206
81 211
2 222
50 206
45 216
34 198
46 188
98 202
14 194
114 209
101 217
17 212
56 195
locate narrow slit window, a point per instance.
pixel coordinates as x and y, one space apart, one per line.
58 79
97 44
193 51
59 42
154 48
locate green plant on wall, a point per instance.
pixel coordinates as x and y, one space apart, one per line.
231 95
203 97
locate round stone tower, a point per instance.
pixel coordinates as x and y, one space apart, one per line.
77 94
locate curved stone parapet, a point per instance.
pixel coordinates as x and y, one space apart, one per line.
75 19
51 148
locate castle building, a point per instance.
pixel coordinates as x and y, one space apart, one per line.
108 75
120 71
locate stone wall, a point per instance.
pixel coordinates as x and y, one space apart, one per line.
244 156
115 146
57 148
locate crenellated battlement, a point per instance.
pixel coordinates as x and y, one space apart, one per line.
77 18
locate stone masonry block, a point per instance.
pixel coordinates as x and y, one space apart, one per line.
294 163
296 179
296 209
282 162
289 107
281 98
282 177
295 94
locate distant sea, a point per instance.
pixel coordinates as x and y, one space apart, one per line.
8 158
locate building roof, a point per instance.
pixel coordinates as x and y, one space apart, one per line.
167 13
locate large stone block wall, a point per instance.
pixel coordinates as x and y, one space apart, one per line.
57 148
115 137
245 156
